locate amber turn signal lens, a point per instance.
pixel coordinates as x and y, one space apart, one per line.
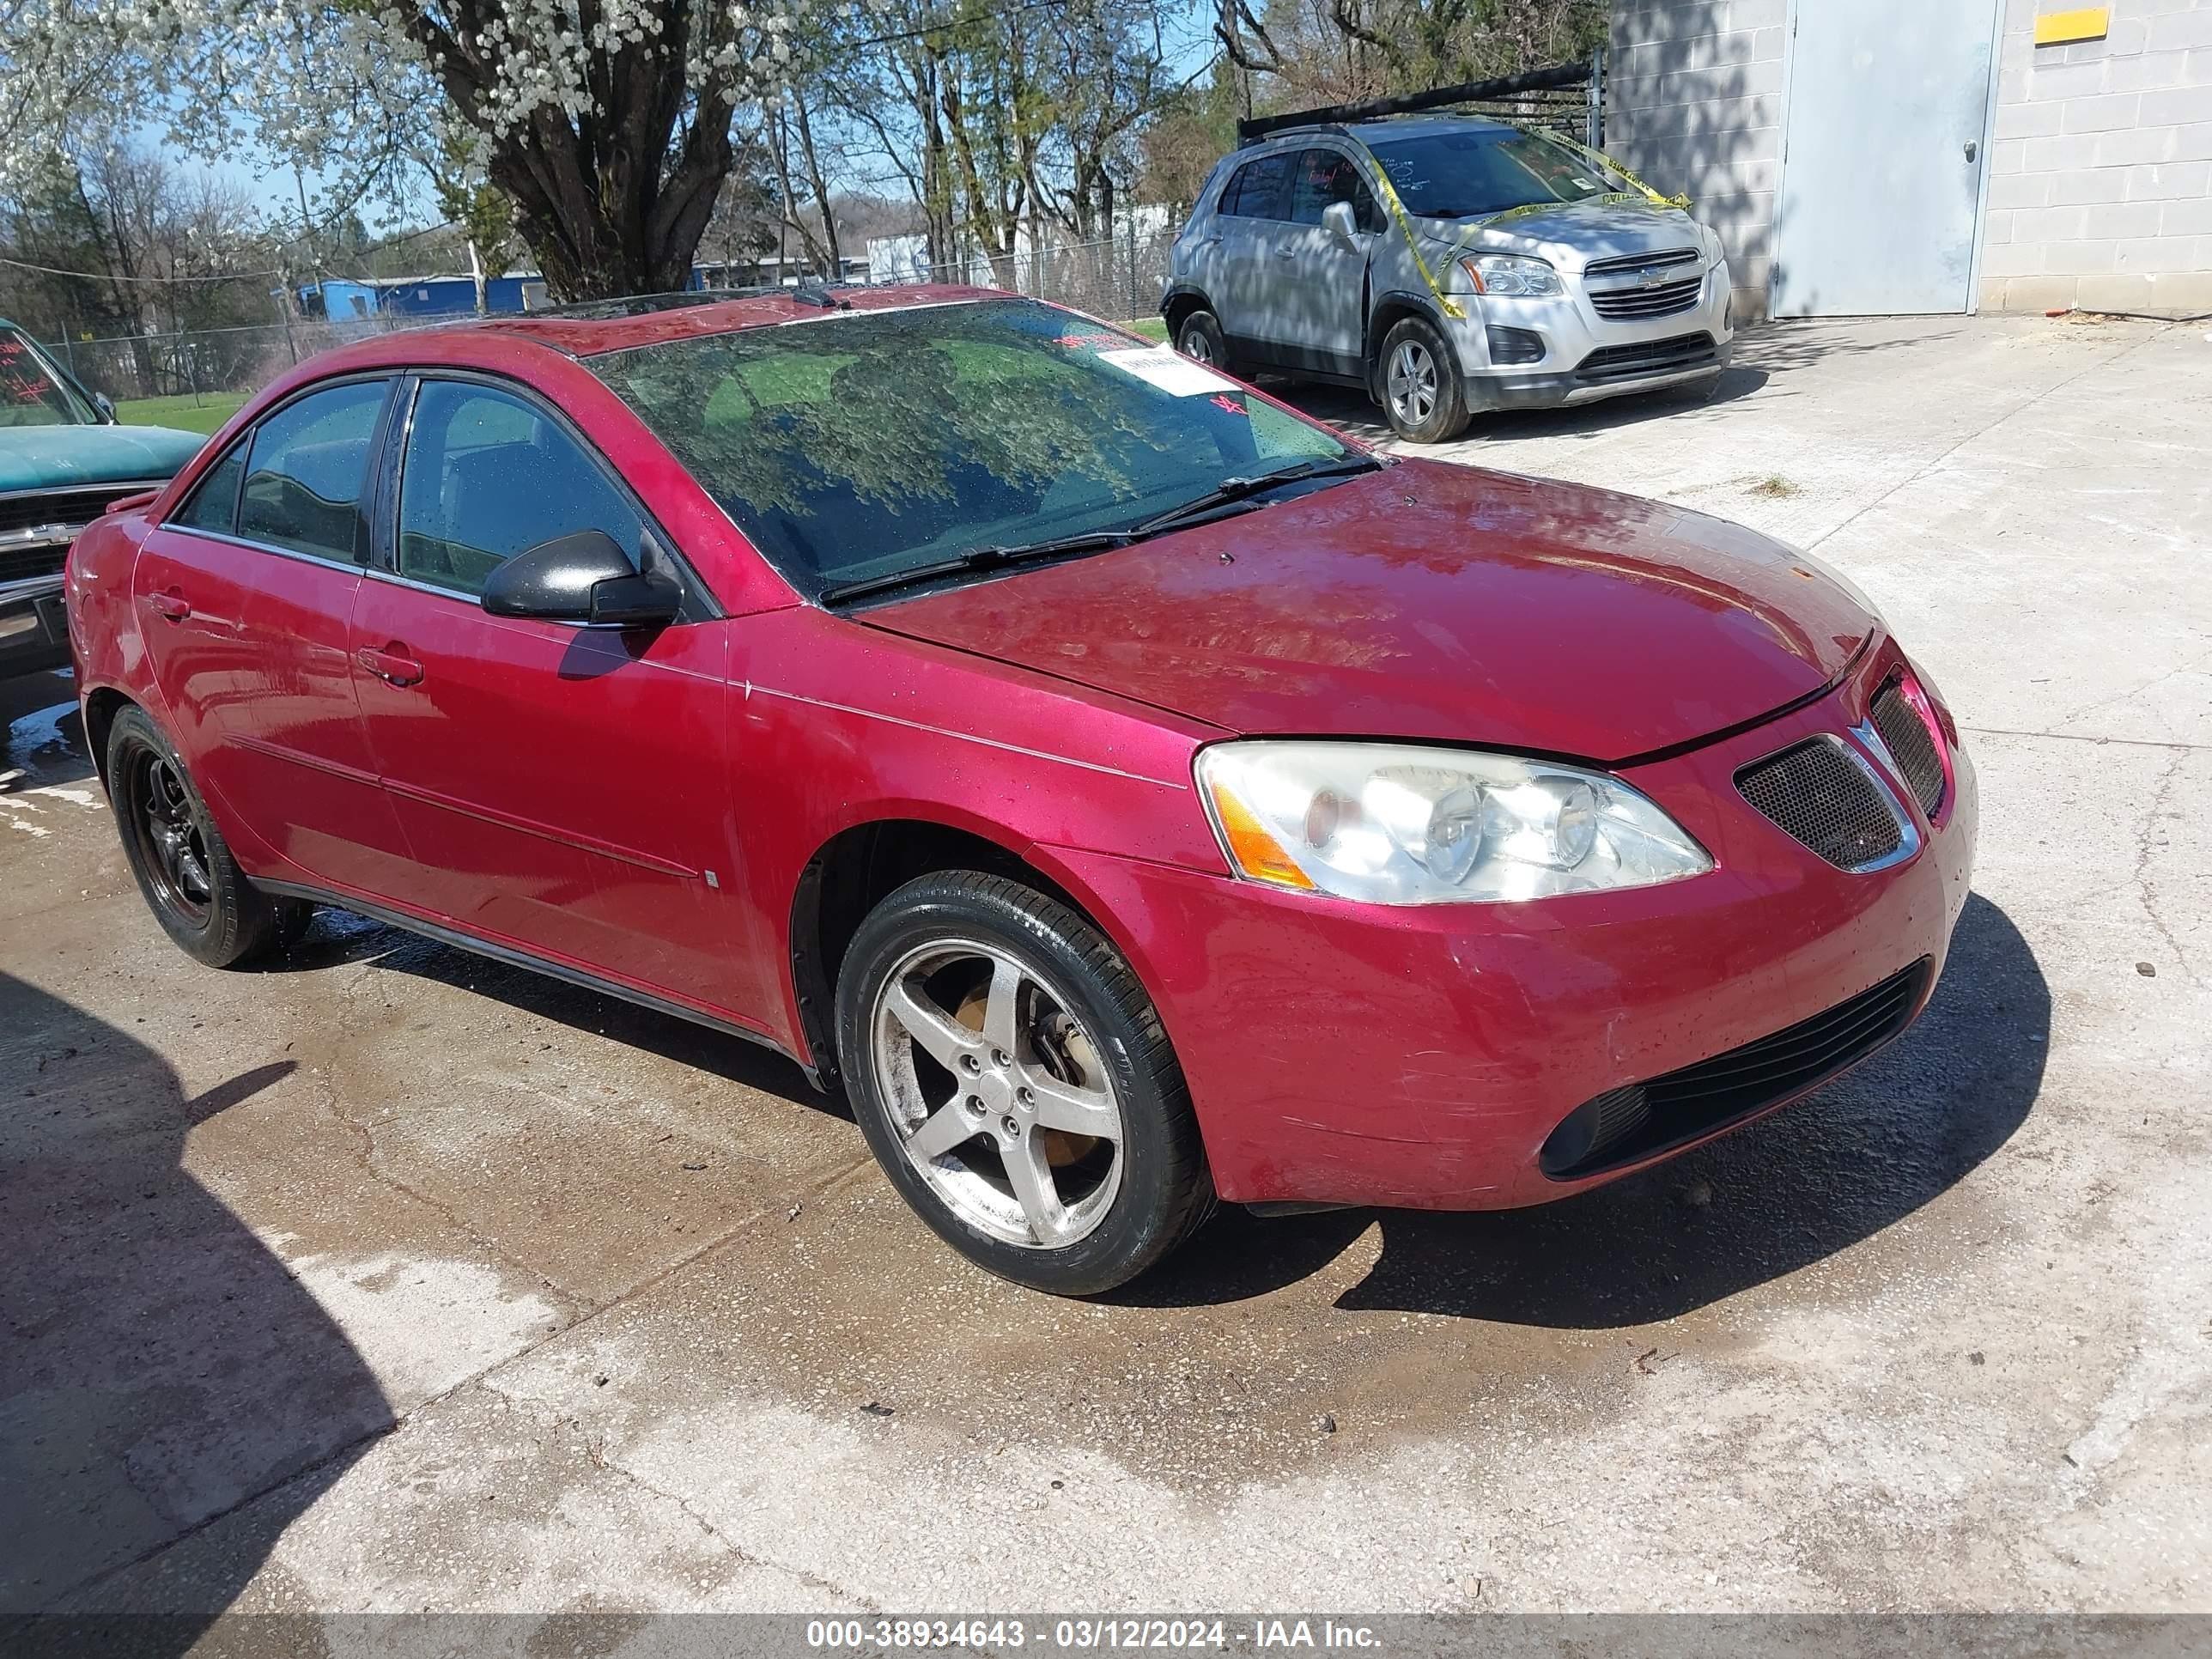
1251 848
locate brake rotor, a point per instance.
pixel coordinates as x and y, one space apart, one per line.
1067 1054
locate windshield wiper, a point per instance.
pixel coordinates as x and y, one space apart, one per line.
1231 491
977 558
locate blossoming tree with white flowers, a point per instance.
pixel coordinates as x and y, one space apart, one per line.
607 123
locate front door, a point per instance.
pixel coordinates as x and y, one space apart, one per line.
1323 315
1880 191
246 597
563 788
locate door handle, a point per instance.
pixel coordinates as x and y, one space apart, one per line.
170 607
1974 149
390 664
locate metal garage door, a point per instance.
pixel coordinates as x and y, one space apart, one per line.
1883 156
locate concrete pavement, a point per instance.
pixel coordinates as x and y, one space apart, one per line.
394 1280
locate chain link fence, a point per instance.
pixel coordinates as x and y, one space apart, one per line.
203 362
1116 278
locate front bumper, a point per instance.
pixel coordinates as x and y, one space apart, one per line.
34 627
1353 1055
1586 356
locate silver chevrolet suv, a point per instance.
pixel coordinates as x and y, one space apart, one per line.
1523 274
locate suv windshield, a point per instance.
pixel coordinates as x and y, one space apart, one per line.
30 393
860 444
1485 170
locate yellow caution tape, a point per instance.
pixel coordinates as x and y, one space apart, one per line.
1452 307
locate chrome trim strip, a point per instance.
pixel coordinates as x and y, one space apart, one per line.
1908 828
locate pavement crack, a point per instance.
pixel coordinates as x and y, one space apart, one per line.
2146 852
594 1449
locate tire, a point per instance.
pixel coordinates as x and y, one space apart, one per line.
976 962
1198 337
184 866
1420 385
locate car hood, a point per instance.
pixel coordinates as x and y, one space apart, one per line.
1572 235
1431 602
59 457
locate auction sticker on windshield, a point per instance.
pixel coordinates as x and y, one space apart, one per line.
1167 369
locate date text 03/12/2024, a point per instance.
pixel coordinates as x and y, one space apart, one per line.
1087 1634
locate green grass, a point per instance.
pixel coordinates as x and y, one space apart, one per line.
1152 328
187 413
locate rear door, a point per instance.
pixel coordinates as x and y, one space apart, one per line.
1253 274
563 788
246 596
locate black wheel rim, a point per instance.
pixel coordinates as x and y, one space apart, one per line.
171 844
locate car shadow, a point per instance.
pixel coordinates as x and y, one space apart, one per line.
159 1365
1815 1179
339 937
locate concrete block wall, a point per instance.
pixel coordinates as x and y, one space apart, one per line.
1693 104
2100 186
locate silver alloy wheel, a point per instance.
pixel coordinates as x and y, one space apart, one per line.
1195 347
1413 383
1013 1120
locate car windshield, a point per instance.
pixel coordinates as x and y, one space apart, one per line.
1473 173
860 444
30 395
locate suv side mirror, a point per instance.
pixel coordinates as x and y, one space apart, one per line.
1337 216
582 578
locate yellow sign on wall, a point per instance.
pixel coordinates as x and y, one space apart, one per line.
2057 28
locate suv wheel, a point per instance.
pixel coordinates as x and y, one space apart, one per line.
1198 337
1014 1082
1423 395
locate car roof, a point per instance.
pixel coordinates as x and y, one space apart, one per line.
1383 129
588 330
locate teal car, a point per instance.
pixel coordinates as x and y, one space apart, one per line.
63 460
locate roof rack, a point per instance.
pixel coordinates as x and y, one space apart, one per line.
1557 76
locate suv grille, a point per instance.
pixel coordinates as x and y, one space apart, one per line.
1627 362
1645 1119
1818 792
1911 743
1635 302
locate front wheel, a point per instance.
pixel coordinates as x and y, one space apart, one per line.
1015 1083
1423 392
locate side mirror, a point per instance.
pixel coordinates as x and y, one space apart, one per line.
106 405
1337 216
583 578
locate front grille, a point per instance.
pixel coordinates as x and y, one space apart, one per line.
1637 263
1631 305
1817 794
76 507
1911 743
1628 363
1624 1125
22 563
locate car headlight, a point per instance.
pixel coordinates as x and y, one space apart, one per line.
1390 824
1512 275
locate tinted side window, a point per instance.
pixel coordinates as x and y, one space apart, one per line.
214 503
305 476
1258 189
1324 176
486 476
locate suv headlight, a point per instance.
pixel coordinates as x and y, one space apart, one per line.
1390 824
1512 275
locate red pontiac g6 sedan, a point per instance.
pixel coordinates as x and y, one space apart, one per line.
1133 793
